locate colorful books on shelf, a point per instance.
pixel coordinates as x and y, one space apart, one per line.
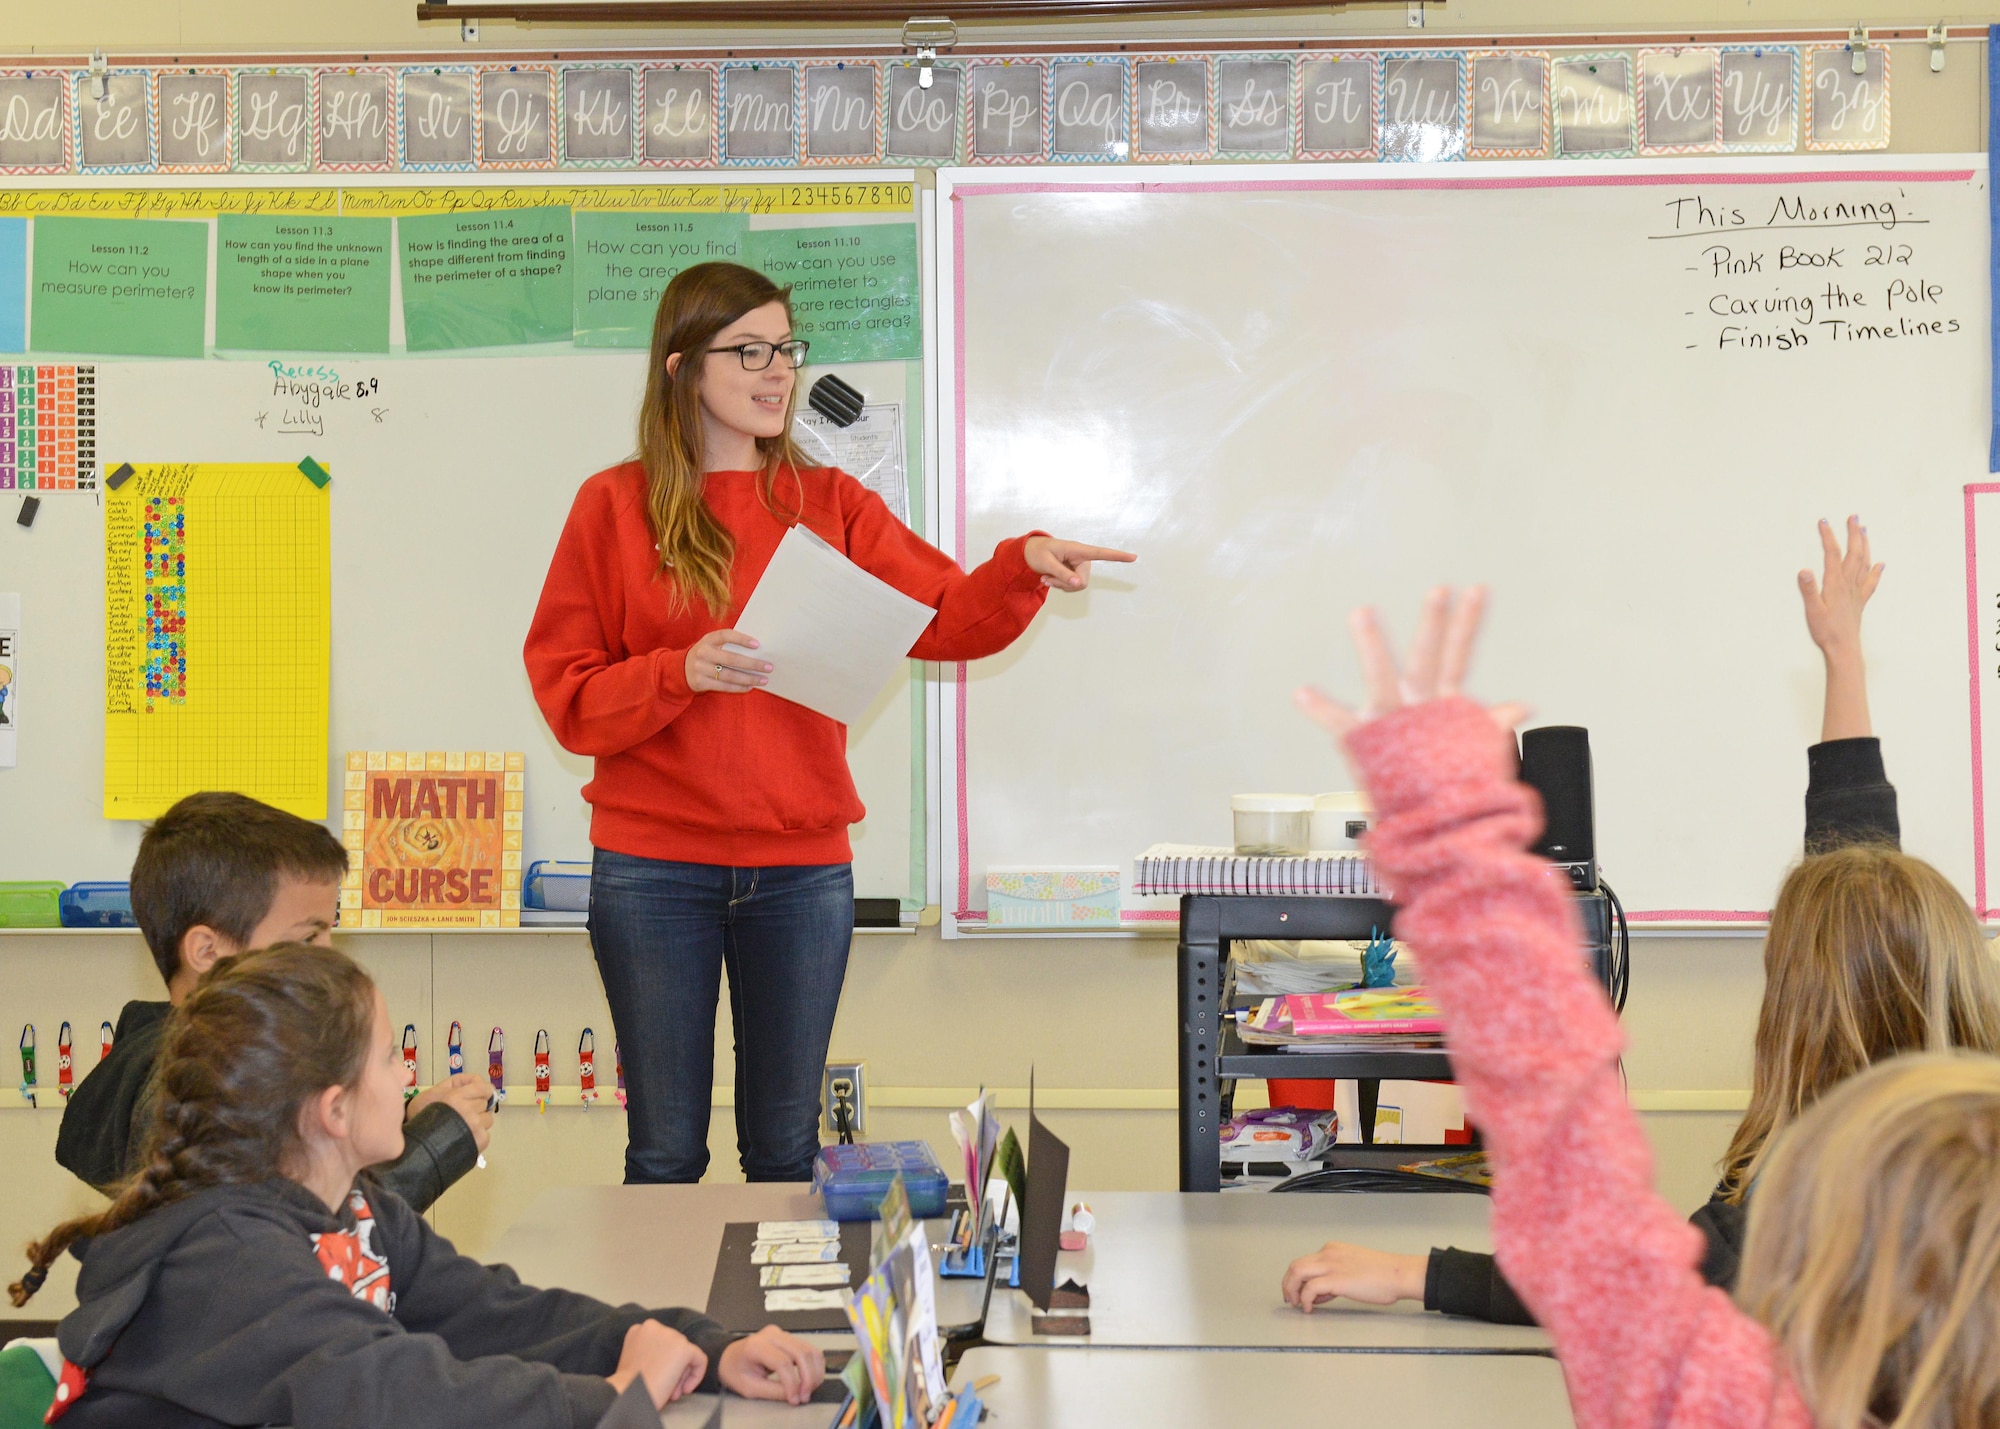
1198 868
1385 1018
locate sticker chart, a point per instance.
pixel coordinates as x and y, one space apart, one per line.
217 586
48 427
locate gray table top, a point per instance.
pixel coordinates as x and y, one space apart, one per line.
726 1411
1167 1269
656 1245
1147 1389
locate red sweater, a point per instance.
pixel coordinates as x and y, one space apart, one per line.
738 780
1601 1260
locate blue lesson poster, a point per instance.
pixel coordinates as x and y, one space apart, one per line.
13 285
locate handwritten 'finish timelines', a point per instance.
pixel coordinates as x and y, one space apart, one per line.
1805 273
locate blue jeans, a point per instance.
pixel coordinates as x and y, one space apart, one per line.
664 934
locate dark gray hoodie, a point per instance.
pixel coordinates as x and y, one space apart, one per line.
216 1310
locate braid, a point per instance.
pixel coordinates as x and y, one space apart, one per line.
260 1036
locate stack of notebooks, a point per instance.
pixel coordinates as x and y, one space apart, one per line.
1196 868
1380 1018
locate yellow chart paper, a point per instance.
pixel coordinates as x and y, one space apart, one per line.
217 590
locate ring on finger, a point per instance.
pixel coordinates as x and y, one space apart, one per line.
718 672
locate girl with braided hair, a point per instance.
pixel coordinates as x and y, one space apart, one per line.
250 1272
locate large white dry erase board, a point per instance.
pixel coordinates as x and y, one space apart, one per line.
451 479
1600 391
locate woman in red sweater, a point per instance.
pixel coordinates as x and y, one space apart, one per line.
719 814
1870 1288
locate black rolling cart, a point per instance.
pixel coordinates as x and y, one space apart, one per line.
1213 1058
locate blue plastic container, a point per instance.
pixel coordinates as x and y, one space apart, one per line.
557 885
852 1180
98 905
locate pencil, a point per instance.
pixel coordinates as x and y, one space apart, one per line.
950 1410
847 1417
984 1383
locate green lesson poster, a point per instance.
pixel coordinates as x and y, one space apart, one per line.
493 279
625 260
854 288
130 286
291 284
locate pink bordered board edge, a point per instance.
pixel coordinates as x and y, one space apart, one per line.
1471 102
1973 491
1001 187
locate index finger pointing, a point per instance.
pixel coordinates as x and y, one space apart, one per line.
1100 553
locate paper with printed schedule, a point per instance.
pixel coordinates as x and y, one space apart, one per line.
833 633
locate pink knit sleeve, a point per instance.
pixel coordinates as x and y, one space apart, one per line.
1605 1264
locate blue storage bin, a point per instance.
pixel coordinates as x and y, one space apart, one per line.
852 1180
98 905
557 884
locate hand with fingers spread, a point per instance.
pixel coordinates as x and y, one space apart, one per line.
772 1364
1435 671
713 670
1833 618
1065 565
1353 1272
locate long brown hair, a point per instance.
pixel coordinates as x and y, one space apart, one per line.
1871 953
261 1035
696 550
1873 1252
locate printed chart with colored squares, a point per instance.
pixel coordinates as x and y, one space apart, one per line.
48 427
433 838
217 636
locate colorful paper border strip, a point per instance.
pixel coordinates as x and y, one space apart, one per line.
171 121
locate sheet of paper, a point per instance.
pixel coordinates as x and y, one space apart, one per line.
217 637
795 1251
10 675
798 1230
833 633
776 1300
870 451
791 1277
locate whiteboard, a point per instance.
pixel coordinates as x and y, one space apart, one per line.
451 482
1292 391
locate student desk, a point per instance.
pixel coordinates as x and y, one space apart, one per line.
1147 1389
656 1245
699 1411
1168 1269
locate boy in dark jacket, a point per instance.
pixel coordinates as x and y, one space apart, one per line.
219 874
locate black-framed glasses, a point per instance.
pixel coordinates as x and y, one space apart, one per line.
756 356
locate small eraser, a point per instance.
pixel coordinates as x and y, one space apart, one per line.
315 473
29 506
837 401
119 477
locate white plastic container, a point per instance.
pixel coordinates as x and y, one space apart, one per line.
1272 825
1335 819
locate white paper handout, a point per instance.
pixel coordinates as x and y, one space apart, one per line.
833 633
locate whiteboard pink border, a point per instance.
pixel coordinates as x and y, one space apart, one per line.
1002 188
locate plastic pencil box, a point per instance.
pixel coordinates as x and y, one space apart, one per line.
852 1180
31 905
556 885
97 905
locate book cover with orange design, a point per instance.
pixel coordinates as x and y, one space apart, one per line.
433 839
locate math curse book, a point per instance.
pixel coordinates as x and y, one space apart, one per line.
433 839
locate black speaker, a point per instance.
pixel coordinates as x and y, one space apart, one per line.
1555 763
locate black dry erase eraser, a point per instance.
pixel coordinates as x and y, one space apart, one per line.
29 506
834 400
119 477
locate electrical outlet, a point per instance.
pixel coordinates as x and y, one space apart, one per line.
1416 14
468 32
848 1082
